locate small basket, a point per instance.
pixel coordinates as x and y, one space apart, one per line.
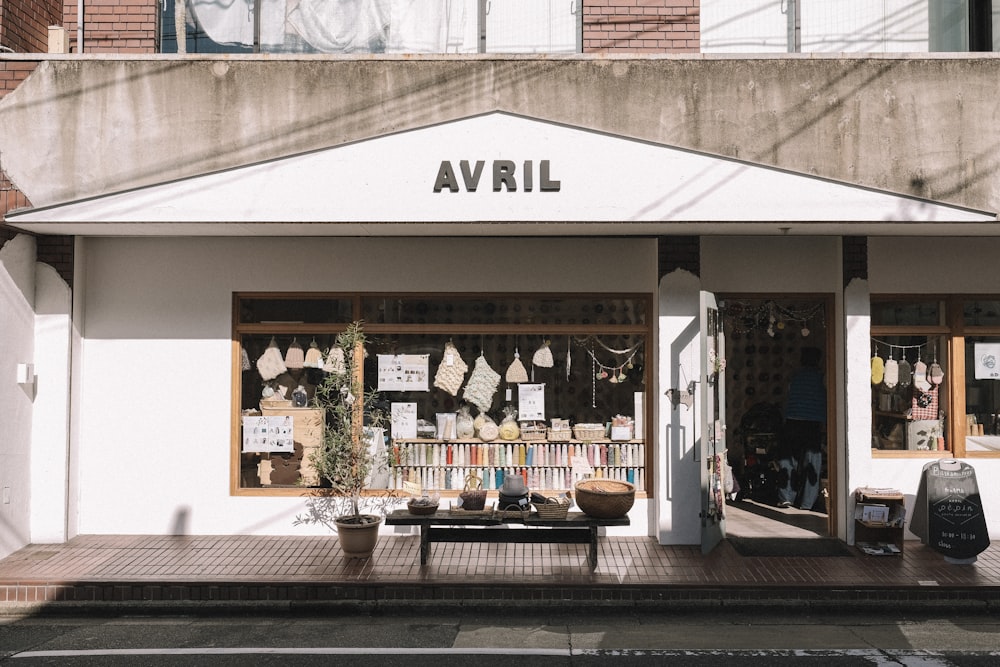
532 433
474 496
605 498
588 431
421 510
553 508
560 435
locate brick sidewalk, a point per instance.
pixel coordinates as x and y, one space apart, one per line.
631 570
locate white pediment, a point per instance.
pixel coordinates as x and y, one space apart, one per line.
528 175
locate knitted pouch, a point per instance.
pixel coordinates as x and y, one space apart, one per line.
271 364
314 357
482 385
516 372
295 356
451 372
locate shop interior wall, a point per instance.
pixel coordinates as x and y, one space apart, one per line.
155 398
786 265
931 265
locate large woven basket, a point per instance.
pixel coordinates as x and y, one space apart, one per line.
605 498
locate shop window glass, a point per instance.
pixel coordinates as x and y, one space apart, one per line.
593 368
909 393
982 394
981 313
907 313
505 310
317 310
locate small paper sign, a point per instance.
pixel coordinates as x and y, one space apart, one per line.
581 467
403 372
412 488
987 361
268 434
403 421
531 402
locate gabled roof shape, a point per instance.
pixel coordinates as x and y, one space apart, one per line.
568 180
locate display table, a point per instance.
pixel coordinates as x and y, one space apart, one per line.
450 526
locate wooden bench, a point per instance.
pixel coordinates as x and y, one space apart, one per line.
447 526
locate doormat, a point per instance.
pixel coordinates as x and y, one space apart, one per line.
789 546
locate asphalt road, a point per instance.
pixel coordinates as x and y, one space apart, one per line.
444 638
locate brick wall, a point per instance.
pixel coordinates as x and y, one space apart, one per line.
115 26
641 26
24 24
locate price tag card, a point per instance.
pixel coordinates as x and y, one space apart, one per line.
403 421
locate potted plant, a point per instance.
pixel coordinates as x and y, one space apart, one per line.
347 457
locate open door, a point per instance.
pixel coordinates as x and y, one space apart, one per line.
712 447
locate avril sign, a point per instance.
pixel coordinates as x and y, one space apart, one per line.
504 172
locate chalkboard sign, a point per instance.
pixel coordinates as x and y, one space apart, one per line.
948 513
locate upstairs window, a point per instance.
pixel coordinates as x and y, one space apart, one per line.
376 26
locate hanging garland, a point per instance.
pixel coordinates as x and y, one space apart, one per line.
746 318
614 373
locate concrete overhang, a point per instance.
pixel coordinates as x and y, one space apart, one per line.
502 174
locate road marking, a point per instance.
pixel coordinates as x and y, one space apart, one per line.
911 657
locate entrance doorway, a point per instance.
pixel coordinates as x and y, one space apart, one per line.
765 337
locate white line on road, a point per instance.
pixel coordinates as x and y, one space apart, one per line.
914 657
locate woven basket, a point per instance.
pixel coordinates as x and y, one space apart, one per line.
531 433
605 498
422 510
588 431
474 495
553 508
560 435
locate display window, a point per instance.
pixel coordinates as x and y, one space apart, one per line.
934 370
548 387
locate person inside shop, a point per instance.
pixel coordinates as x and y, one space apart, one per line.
801 455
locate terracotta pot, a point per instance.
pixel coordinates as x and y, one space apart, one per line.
358 540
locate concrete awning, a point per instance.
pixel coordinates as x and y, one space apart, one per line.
501 174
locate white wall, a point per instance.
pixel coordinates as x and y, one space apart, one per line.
155 397
930 266
17 324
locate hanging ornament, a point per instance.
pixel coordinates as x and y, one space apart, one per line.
805 331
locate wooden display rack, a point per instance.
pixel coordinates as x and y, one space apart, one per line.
879 517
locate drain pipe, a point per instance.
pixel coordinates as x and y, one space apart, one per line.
79 26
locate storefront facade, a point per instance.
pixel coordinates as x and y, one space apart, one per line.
574 184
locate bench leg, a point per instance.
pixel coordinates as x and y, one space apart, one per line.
425 544
592 552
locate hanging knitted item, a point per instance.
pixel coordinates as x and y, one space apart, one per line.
934 374
482 385
295 356
271 364
920 376
543 357
516 372
878 369
891 378
335 361
905 373
451 372
314 356
244 359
